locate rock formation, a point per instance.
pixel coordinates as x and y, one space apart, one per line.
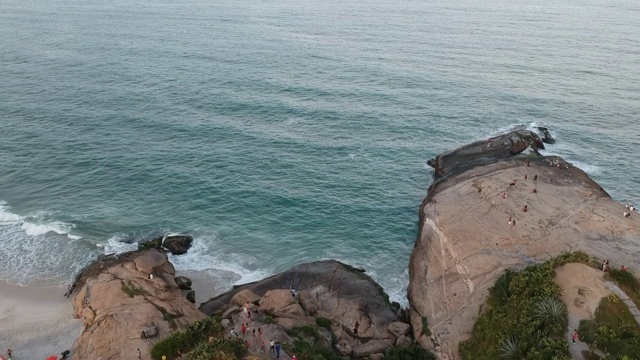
121 305
176 244
325 289
466 239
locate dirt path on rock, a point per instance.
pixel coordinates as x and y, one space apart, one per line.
582 289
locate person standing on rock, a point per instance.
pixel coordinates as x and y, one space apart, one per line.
243 328
262 346
574 336
294 293
272 348
278 346
355 329
139 354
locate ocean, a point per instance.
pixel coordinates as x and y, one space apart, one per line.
281 132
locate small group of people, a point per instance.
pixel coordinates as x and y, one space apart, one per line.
629 210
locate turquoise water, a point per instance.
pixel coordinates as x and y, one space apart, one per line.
289 131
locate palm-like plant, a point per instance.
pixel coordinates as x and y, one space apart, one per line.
552 311
508 348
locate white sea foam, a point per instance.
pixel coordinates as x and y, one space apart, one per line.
116 245
203 256
7 216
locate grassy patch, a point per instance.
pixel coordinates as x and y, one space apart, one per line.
324 323
614 329
192 337
524 317
413 352
268 319
131 289
425 326
168 316
304 331
627 282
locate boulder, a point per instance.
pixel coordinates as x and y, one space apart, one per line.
403 341
399 329
178 244
372 347
378 356
244 296
230 312
276 300
308 302
118 303
344 347
289 323
183 282
191 296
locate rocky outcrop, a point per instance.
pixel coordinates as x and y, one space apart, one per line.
485 152
327 290
466 240
176 244
122 306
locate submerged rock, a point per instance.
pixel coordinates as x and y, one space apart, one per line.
176 244
466 242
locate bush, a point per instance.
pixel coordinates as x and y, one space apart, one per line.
186 340
614 329
220 349
413 352
525 318
324 323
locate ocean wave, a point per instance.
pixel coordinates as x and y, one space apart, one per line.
203 256
6 216
117 245
35 225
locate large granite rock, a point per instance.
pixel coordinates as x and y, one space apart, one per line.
465 241
118 302
325 289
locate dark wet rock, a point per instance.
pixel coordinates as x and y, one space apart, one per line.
545 135
485 151
183 282
179 244
191 296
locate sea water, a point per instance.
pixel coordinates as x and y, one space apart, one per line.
280 132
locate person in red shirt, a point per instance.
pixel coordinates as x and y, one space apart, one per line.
244 329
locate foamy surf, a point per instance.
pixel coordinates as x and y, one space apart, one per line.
202 256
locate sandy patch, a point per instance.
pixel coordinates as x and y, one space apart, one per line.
582 289
36 322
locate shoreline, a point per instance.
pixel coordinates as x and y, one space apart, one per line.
36 322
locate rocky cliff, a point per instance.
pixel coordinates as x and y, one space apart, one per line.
122 307
491 207
329 290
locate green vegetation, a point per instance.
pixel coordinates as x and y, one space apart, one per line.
220 349
627 282
169 317
524 318
132 289
413 352
425 326
309 345
323 323
194 337
268 319
614 330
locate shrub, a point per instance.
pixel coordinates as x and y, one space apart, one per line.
613 330
324 323
524 317
552 311
269 320
413 352
188 339
425 326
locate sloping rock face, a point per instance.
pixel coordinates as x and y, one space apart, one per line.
327 289
466 242
118 301
486 151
